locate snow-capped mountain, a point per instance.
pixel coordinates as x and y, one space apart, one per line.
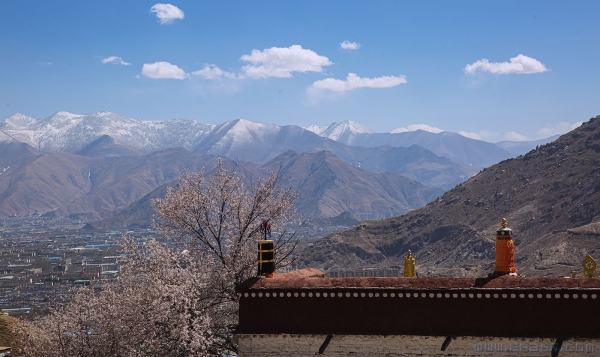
100 163
245 140
463 150
239 139
233 136
64 131
340 131
317 129
18 121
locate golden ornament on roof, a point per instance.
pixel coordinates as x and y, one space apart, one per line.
589 267
409 265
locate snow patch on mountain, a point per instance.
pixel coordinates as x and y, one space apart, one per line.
18 120
5 138
336 131
317 129
247 131
239 135
64 131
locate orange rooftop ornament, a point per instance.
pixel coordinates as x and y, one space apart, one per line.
505 251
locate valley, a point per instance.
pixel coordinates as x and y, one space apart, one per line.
404 194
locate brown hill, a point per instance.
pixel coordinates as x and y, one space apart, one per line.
549 196
111 178
65 183
328 187
43 183
15 154
107 146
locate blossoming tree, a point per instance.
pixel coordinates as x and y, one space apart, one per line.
219 220
177 298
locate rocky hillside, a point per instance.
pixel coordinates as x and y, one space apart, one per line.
549 196
105 177
64 183
328 187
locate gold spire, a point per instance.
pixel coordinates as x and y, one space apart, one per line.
504 223
409 265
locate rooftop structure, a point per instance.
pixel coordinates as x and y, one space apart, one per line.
501 306
303 313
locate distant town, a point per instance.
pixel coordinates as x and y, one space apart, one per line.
43 260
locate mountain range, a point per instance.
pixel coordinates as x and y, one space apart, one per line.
101 163
328 187
61 183
240 139
460 149
549 196
63 131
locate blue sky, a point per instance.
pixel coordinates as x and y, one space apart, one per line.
492 70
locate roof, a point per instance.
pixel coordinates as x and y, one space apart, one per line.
311 279
507 306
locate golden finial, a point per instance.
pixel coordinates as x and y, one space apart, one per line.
589 267
409 265
504 223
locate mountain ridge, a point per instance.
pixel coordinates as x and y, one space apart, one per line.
328 186
549 197
318 186
64 131
107 177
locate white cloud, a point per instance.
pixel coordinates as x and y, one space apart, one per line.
514 136
558 128
520 64
45 64
347 45
415 127
470 135
480 135
115 60
543 133
282 61
212 71
353 82
167 13
163 70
